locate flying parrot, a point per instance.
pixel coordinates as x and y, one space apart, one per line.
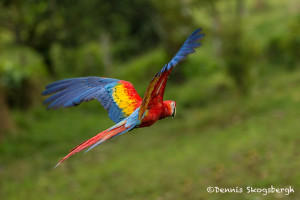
119 98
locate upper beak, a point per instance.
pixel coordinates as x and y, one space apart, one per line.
174 113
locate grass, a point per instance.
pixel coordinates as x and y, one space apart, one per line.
237 142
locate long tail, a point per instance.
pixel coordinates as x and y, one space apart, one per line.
117 129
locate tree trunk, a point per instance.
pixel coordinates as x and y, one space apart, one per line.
105 44
240 10
6 122
216 29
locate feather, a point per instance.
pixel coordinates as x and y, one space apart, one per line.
155 88
117 129
73 91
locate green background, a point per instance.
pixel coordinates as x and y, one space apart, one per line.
238 99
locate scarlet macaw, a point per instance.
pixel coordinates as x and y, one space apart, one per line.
120 99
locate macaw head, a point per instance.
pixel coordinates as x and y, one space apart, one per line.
169 109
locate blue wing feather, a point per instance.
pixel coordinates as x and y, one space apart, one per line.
187 48
73 91
156 87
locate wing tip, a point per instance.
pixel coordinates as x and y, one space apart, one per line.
197 31
187 48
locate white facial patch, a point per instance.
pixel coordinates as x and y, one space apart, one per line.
173 105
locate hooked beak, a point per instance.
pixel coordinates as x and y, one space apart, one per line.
174 113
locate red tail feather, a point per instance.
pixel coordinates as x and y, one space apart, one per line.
104 135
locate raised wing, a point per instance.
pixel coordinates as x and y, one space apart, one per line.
124 126
156 88
118 97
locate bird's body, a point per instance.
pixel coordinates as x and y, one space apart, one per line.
120 99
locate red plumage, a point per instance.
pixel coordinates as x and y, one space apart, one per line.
120 99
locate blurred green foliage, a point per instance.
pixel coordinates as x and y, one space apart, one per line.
104 38
285 50
19 64
84 60
21 71
237 98
229 143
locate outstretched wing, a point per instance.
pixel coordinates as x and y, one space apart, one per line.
123 126
156 88
118 97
